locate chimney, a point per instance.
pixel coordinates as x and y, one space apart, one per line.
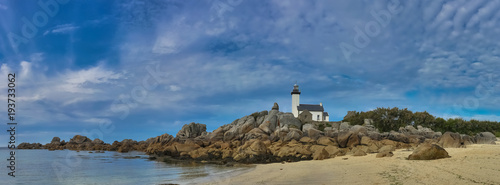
321 104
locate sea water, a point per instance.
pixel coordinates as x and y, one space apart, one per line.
72 167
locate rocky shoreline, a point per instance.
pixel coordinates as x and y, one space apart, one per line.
274 136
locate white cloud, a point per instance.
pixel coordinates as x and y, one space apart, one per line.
173 37
31 98
167 44
174 88
91 75
78 81
98 121
36 57
5 69
25 69
62 29
483 13
47 98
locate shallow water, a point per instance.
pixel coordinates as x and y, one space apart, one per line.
71 167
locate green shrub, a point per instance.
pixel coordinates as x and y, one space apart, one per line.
387 119
321 127
328 124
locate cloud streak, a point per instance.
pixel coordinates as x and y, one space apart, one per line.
62 29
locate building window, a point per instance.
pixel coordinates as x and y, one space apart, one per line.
318 117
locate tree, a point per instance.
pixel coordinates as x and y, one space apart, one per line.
387 119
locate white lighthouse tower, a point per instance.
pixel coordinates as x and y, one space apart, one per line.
295 100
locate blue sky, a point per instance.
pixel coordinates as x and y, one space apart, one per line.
140 68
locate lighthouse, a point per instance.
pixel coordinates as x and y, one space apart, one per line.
316 110
295 100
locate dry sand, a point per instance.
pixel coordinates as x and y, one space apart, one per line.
476 164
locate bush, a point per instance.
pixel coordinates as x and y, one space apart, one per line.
387 119
321 127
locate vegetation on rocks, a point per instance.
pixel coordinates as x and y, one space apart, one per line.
387 119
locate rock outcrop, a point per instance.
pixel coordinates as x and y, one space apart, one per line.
274 136
467 140
275 107
293 134
428 152
159 144
311 131
55 144
56 140
126 145
485 138
321 154
287 119
326 141
30 146
305 117
344 126
270 122
239 127
192 130
451 140
348 139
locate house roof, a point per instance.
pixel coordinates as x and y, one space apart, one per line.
310 107
325 114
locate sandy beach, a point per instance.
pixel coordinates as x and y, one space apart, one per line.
476 164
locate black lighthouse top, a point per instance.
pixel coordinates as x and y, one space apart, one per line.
295 89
